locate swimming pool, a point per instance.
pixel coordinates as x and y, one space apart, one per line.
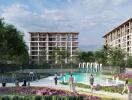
84 78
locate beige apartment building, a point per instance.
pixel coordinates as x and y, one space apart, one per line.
42 45
120 36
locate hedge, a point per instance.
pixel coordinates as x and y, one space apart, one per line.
16 97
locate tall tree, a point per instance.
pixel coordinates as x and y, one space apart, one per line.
128 61
59 54
12 46
117 56
87 56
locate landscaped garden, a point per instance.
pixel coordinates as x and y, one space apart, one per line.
13 51
41 93
113 89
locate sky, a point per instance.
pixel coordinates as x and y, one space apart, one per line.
91 18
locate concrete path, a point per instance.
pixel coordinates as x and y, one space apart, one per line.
49 82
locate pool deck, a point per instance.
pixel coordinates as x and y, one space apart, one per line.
49 82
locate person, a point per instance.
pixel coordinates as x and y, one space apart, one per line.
4 82
125 87
24 83
17 83
55 79
71 83
28 84
91 80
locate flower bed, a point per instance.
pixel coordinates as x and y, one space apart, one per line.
42 91
123 76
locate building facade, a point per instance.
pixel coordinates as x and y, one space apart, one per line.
42 45
121 36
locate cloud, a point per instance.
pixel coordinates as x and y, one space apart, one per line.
92 18
119 2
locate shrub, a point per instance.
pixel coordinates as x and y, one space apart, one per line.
5 98
80 98
56 98
38 98
17 98
47 97
28 98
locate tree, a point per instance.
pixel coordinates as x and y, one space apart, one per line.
99 57
12 46
117 56
42 57
59 54
86 56
129 61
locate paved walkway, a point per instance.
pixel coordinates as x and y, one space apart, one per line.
49 82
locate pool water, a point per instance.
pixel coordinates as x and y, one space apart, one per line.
84 78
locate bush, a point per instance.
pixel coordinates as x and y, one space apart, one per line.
56 98
47 97
50 97
5 98
38 98
17 98
28 98
72 98
80 98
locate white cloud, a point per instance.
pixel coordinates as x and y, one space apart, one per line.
118 2
89 17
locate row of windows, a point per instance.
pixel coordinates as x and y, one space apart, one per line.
49 53
52 39
53 44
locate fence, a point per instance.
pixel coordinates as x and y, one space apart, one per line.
114 69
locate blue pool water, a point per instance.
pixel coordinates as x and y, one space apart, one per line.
84 78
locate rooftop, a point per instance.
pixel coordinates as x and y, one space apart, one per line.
117 27
55 32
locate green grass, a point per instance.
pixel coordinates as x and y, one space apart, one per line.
115 89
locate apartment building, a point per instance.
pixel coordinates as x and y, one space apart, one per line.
120 36
42 45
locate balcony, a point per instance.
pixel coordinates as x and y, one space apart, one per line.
128 43
34 57
34 48
34 34
52 37
34 39
128 37
33 43
42 44
63 39
42 39
42 48
34 52
42 53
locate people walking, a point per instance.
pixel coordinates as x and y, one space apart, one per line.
125 87
24 82
91 80
55 79
17 83
71 84
4 82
